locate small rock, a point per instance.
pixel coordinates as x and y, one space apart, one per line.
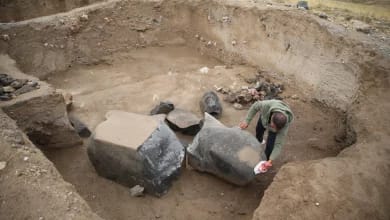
25 158
8 89
197 36
137 191
226 19
79 126
5 37
303 5
17 84
234 43
3 164
217 88
295 97
361 26
317 204
222 194
46 44
225 90
237 106
323 15
84 17
163 108
204 70
5 97
68 98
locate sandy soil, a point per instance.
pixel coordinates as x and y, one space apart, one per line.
326 61
135 82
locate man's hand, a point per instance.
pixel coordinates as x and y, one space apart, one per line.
243 125
268 164
265 166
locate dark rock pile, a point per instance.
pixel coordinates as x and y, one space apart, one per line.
258 89
10 87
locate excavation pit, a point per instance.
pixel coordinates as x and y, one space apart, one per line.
138 80
132 55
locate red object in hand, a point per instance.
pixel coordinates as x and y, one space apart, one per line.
266 165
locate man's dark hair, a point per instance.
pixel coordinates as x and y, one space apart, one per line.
279 119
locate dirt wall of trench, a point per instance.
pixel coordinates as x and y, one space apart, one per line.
321 63
18 10
31 187
353 185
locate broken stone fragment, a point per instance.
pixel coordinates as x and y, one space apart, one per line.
18 83
8 89
303 5
137 191
79 126
229 153
295 97
136 149
3 164
5 37
183 121
323 15
5 97
204 70
84 17
238 106
210 103
5 80
163 108
68 98
361 26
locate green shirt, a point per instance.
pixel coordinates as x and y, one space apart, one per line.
266 108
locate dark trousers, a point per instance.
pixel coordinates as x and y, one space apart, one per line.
270 140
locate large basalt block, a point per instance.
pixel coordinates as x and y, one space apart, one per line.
136 149
229 153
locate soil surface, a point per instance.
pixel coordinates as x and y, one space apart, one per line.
136 82
115 59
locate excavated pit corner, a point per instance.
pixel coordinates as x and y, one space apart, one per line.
320 64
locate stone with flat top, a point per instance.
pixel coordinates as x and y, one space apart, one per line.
136 149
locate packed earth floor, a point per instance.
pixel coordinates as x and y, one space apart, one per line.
330 62
137 81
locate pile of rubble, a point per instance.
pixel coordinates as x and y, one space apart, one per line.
258 89
10 87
